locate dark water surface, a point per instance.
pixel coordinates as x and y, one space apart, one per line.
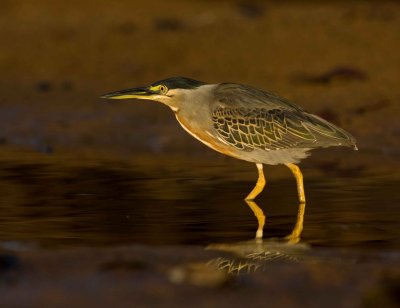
42 205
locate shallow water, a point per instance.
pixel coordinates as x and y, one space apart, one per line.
42 205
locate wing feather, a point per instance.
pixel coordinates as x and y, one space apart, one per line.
272 129
248 118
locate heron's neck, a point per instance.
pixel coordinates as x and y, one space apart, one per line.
191 100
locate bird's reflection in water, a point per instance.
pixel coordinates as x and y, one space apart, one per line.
253 255
293 237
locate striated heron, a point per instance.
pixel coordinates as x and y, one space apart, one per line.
245 123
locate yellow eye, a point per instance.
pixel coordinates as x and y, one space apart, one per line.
163 89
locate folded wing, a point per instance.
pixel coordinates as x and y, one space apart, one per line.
276 128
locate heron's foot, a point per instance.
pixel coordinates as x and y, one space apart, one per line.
293 238
256 190
250 198
259 234
302 199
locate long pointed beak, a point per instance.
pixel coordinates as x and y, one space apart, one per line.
142 92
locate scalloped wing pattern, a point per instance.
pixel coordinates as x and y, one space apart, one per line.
274 129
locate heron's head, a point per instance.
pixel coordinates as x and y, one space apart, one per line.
172 91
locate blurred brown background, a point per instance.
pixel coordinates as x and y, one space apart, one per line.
339 59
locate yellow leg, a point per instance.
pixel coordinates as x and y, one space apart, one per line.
259 185
294 237
299 179
258 212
